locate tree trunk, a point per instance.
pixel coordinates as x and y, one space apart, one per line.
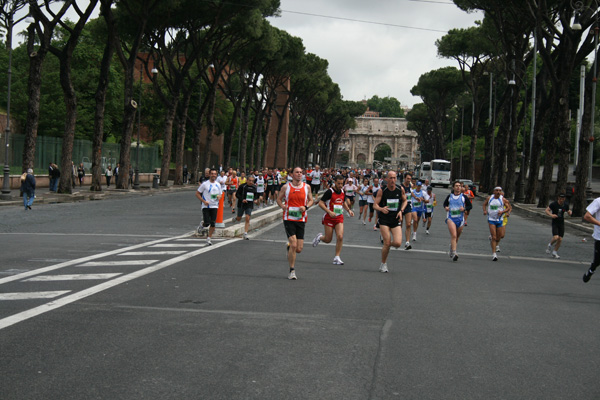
244 138
210 124
168 141
100 98
473 151
550 146
511 156
564 145
181 133
128 120
579 201
65 183
34 85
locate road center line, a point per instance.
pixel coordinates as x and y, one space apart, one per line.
359 246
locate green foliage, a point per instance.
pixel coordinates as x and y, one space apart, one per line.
382 152
388 107
85 70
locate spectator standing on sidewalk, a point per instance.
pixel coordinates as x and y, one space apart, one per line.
108 174
80 174
28 189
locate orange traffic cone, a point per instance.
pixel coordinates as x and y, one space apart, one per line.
219 223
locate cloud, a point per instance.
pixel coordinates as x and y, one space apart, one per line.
367 59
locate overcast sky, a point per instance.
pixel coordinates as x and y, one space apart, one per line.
374 59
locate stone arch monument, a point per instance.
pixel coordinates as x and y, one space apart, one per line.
370 132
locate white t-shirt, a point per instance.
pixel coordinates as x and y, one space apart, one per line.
594 209
221 180
316 177
210 192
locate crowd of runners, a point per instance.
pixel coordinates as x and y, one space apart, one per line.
395 203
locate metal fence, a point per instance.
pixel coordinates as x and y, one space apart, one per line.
49 149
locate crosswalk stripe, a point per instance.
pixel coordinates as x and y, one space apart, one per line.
152 253
116 263
32 295
71 277
54 304
38 271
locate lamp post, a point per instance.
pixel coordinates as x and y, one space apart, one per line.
6 180
136 180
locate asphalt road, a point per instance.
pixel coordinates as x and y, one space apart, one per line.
135 308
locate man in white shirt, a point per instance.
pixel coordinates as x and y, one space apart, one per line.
592 216
209 193
315 184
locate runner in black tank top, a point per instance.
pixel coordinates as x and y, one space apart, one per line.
390 202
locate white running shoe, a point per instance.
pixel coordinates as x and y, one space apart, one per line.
383 267
414 236
364 223
246 236
317 239
407 246
549 249
555 254
208 241
337 261
455 256
292 275
497 248
427 231
494 257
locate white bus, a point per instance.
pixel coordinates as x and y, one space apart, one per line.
440 173
425 171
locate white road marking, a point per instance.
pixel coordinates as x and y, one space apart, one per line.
199 244
32 295
152 253
500 257
117 263
71 277
39 271
22 316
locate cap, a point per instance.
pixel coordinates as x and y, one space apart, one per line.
29 171
419 183
562 195
429 188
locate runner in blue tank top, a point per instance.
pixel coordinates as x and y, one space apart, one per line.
456 204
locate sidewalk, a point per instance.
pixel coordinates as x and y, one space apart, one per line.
43 196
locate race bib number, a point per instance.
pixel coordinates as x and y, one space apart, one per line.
350 192
455 212
494 207
338 209
260 185
392 204
417 204
408 196
270 182
429 207
294 213
213 196
249 196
